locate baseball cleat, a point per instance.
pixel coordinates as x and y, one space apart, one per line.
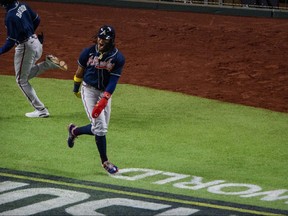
71 136
56 62
38 114
109 167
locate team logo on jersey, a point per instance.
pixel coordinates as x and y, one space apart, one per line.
94 61
21 10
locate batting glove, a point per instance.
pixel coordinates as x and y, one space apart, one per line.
77 94
101 105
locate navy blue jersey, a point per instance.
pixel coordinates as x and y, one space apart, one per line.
101 73
20 21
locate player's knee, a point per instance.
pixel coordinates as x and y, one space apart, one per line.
99 131
21 82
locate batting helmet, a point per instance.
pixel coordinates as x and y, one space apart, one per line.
4 3
106 32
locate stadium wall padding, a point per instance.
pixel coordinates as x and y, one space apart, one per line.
172 6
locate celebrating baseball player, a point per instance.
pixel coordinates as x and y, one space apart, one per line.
21 23
99 69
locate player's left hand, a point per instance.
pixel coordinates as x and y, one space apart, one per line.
101 105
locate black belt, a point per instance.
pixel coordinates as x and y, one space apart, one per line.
32 36
91 87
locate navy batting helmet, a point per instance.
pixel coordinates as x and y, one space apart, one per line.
4 3
106 32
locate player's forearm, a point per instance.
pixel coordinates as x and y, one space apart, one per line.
77 83
112 84
78 77
7 46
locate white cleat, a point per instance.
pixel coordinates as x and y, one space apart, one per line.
38 114
53 60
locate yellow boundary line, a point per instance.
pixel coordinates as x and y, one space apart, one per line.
140 195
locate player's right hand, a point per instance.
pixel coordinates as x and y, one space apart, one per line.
78 94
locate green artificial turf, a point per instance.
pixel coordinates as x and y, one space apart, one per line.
149 129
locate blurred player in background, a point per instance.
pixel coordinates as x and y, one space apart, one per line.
21 23
99 69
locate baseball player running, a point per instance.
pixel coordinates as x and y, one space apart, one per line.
21 23
99 69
